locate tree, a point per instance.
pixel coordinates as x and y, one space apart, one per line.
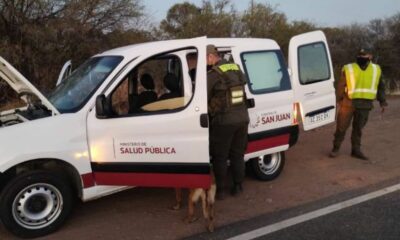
380 35
262 21
344 44
215 20
180 20
386 47
38 36
186 20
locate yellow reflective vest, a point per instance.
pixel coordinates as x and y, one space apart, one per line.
362 84
229 67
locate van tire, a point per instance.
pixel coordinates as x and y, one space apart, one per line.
268 167
35 203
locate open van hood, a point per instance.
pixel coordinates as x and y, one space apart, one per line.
21 85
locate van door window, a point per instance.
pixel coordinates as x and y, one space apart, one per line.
313 63
156 85
266 72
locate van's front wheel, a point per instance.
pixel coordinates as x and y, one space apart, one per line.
35 203
268 167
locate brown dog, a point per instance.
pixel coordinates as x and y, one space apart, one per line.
207 197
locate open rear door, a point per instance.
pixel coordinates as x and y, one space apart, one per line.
312 79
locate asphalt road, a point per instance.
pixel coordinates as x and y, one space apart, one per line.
373 219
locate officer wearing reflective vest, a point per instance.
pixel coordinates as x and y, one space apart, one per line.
358 86
229 120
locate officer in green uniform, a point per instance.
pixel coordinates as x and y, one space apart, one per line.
229 120
358 86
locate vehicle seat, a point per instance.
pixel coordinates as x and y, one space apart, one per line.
172 84
148 95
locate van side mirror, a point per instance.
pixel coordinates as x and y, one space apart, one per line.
102 107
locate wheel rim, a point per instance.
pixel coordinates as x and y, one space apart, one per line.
37 206
269 164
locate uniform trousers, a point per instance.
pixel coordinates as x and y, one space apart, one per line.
345 115
228 142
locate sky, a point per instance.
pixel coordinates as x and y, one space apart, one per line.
324 13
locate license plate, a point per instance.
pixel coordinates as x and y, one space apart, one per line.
319 117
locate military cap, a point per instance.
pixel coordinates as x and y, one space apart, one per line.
211 49
364 52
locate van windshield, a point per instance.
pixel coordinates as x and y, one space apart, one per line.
75 90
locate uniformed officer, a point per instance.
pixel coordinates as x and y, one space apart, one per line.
229 120
359 85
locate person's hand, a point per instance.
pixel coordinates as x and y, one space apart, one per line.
383 106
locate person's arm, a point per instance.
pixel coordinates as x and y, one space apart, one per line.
243 77
381 95
211 80
341 88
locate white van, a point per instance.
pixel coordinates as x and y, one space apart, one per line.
133 116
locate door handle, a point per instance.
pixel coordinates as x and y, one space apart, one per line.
204 120
250 103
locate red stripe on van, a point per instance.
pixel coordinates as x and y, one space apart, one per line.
153 179
270 142
87 180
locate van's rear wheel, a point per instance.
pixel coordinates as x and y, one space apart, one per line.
35 203
268 167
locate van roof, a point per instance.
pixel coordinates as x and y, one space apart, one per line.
139 49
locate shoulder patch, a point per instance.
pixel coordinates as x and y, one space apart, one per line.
229 67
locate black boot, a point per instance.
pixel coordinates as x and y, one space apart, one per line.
358 154
220 195
334 153
236 189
